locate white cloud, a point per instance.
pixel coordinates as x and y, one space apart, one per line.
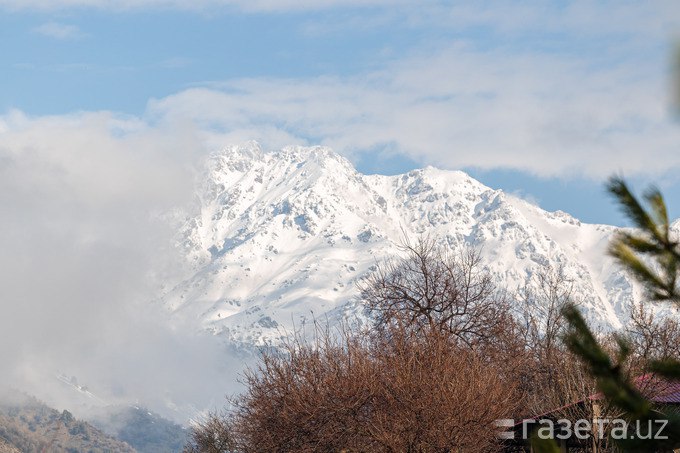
586 110
81 245
58 31
548 115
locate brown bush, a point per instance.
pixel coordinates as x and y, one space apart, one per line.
386 393
441 366
215 434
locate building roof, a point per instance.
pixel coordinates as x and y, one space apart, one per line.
659 390
655 389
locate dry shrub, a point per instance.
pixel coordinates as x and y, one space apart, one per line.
441 364
388 392
214 434
437 396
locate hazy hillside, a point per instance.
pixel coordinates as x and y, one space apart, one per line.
28 426
146 431
5 447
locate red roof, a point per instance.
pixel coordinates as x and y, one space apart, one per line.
659 390
655 389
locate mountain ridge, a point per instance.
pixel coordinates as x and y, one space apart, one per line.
280 238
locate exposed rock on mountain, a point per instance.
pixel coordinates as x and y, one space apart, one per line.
278 239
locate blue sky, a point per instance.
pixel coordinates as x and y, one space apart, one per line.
544 99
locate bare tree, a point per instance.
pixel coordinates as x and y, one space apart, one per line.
433 288
554 381
541 303
652 338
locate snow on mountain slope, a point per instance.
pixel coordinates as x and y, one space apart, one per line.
281 238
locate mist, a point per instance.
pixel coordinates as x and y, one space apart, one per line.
86 244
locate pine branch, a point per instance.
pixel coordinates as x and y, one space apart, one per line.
632 208
618 389
658 206
610 380
669 369
653 240
629 260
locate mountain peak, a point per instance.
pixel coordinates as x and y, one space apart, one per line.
317 154
251 151
283 236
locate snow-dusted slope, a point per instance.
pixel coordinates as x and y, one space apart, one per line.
281 238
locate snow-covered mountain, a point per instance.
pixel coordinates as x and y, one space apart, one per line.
279 239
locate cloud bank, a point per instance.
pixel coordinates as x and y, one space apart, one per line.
458 107
83 252
553 89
